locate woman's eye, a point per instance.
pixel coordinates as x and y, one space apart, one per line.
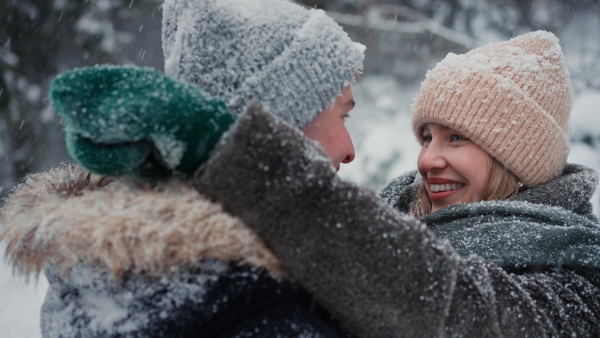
426 138
455 137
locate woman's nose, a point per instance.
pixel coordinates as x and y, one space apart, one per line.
432 158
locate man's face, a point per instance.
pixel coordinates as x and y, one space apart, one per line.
329 130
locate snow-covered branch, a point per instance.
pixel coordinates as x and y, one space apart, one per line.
429 24
374 22
385 17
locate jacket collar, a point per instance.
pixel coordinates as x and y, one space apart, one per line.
67 216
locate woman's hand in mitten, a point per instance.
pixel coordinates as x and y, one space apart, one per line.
129 120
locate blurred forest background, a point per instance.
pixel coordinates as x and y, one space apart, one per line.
42 38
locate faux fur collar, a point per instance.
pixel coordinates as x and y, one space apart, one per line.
66 217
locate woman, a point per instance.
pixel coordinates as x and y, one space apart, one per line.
500 111
506 244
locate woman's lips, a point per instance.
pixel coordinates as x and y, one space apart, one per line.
440 188
434 196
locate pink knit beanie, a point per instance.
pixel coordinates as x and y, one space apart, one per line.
512 98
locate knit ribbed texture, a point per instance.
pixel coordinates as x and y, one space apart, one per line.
511 98
293 60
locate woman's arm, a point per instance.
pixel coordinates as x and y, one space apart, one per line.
382 273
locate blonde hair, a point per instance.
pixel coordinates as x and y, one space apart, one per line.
501 184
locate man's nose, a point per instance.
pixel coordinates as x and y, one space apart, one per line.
351 153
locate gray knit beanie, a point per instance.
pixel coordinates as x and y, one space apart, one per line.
293 60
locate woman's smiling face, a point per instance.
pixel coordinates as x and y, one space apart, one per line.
454 169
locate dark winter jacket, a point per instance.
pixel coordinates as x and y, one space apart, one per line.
386 274
124 260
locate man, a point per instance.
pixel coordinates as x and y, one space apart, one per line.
329 130
126 259
295 62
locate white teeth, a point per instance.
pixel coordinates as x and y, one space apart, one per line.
445 187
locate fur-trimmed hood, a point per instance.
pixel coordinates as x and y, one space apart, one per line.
67 216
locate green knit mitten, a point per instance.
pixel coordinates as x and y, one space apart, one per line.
122 120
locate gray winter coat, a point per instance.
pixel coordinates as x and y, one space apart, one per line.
386 274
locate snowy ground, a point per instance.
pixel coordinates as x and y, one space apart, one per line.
385 147
20 303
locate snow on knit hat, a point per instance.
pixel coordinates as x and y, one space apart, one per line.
512 98
293 60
